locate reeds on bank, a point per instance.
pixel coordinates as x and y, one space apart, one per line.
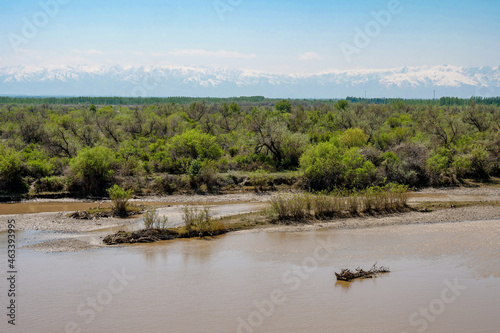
304 206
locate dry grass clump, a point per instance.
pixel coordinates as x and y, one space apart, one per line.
153 221
298 207
198 220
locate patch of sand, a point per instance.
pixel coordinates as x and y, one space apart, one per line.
62 245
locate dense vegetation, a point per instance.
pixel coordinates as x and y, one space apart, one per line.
207 145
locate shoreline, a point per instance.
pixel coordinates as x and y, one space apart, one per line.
57 221
489 193
449 215
479 210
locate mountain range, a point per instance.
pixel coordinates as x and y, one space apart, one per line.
161 81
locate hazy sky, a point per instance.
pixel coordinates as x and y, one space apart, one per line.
278 36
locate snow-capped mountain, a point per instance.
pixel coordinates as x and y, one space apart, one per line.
406 82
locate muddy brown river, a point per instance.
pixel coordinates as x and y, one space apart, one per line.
444 278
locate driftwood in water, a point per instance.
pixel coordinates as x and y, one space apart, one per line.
347 275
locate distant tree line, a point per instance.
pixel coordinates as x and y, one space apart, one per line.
260 100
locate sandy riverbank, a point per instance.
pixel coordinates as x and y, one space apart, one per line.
57 221
473 213
176 198
62 245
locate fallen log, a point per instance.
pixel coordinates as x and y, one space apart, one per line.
347 275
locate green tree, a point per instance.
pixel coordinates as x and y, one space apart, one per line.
94 168
273 136
322 166
11 171
283 106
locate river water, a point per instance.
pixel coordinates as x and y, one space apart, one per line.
444 278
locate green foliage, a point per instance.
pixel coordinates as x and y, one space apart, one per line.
195 167
194 144
203 175
120 198
283 106
49 184
322 166
94 167
37 163
349 143
342 105
326 167
260 178
11 171
357 172
354 137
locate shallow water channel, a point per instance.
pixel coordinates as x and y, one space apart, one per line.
444 278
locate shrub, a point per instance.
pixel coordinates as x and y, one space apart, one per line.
357 172
166 184
195 145
199 221
283 106
475 162
354 137
326 167
254 161
49 184
37 162
153 221
195 168
204 175
259 179
11 171
413 158
120 198
294 145
95 168
438 165
322 166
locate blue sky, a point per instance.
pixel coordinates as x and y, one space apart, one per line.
283 37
